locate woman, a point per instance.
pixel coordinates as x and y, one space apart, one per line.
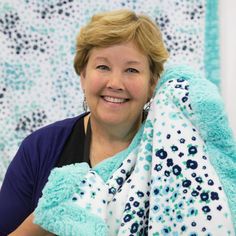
119 58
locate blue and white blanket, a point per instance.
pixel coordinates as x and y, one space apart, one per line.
177 177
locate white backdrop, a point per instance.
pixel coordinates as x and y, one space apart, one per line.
228 57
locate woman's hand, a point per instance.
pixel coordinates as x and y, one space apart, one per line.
28 228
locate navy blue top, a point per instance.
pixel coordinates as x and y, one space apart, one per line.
29 170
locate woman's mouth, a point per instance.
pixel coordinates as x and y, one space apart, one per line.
114 99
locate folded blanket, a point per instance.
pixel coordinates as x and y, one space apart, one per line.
177 177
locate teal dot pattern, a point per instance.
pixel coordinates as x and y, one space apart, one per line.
38 84
165 186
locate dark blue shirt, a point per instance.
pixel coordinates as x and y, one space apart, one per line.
28 172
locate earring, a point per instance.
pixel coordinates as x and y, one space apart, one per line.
147 106
85 105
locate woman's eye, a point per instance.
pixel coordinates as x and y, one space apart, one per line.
102 67
132 70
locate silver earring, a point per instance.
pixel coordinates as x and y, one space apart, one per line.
147 106
85 105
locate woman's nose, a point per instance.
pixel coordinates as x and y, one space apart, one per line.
115 82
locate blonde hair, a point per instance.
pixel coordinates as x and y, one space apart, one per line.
114 27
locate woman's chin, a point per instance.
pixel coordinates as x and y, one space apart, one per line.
113 119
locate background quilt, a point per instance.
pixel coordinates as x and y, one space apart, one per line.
38 84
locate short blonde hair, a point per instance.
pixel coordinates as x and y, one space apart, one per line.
114 27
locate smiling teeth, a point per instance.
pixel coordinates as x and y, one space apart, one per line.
114 100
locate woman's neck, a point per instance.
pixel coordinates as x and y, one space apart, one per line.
108 141
122 133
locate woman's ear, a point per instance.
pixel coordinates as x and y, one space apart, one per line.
152 87
82 78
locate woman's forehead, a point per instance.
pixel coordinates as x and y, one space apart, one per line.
128 51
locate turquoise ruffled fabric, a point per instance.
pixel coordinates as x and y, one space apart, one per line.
58 215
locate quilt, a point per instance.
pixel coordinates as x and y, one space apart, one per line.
177 177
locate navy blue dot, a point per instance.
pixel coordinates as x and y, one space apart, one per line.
181 154
193 224
174 148
186 183
119 180
209 217
199 179
140 213
180 80
166 230
193 175
206 209
184 99
214 196
192 164
127 218
169 162
136 204
146 204
182 140
112 190
155 208
127 206
204 196
162 154
179 217
158 167
156 191
167 173
199 188
140 194
192 150
176 170
74 199
194 193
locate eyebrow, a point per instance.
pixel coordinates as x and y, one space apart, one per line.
101 58
128 62
133 62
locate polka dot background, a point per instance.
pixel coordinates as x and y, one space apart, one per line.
38 84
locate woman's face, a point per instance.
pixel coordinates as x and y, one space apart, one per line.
116 82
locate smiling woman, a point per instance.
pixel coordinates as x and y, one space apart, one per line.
119 58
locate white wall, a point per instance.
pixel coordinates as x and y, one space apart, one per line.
227 17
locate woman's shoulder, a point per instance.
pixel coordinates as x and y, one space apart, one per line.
54 132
